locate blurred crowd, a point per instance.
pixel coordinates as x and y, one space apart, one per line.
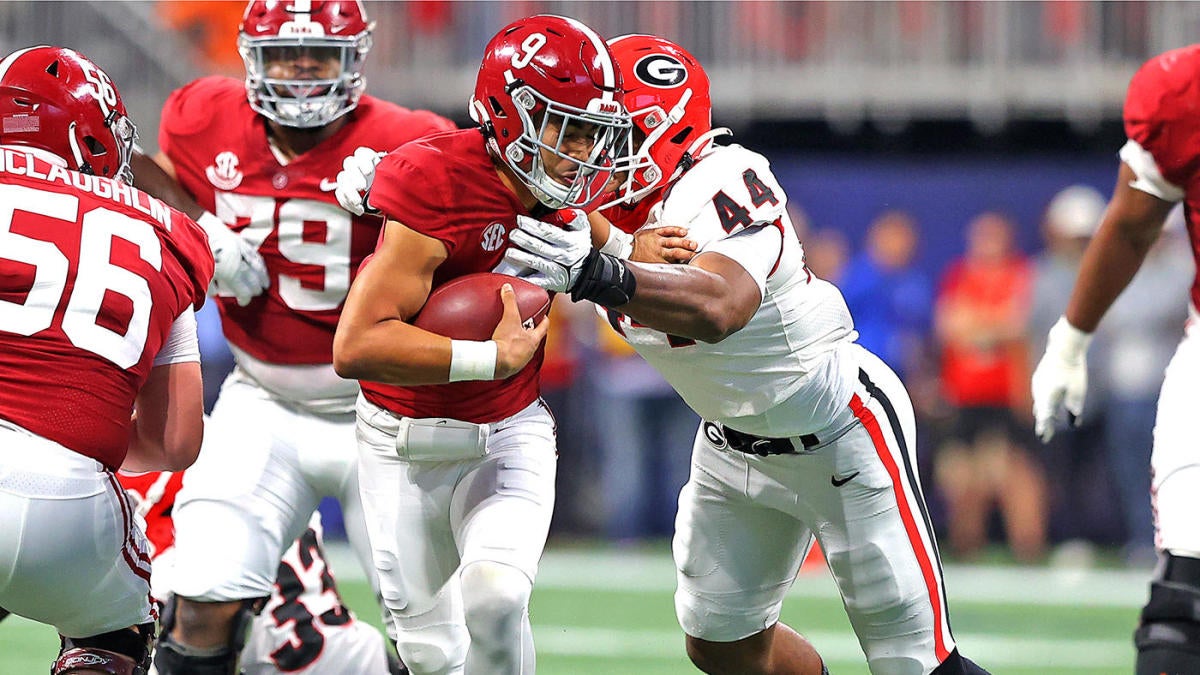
963 339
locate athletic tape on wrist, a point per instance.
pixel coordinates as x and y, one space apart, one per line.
471 360
605 280
619 244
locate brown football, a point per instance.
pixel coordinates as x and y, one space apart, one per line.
469 307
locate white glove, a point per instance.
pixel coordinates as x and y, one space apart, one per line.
548 255
240 271
1060 378
355 178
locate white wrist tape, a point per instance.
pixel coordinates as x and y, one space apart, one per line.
470 360
619 244
1071 342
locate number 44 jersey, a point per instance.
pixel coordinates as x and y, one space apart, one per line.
93 273
311 246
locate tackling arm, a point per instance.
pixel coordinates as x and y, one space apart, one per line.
707 300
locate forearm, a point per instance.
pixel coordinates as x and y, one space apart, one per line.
151 178
1110 263
683 300
393 352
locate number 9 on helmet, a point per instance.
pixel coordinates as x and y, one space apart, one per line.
548 91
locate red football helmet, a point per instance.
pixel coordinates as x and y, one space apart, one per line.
55 99
666 92
539 76
304 59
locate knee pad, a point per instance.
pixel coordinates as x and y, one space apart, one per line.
1169 630
173 658
495 599
121 652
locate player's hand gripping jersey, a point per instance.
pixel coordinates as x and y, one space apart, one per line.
730 202
93 273
311 246
1164 135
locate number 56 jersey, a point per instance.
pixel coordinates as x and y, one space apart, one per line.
93 273
311 246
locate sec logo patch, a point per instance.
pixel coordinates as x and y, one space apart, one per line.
493 237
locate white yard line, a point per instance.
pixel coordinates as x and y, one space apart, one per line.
993 650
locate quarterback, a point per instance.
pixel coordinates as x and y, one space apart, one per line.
259 157
806 435
1158 170
457 450
100 364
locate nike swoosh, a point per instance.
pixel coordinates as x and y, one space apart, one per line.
328 185
839 482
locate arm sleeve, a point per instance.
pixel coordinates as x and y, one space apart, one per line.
181 345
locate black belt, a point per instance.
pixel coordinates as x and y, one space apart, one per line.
758 445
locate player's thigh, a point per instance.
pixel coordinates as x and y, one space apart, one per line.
1175 459
735 557
501 508
875 532
242 501
91 578
405 506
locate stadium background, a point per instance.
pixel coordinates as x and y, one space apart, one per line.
943 110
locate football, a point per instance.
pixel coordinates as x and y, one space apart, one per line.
469 307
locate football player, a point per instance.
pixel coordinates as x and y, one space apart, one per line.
457 450
259 157
806 435
100 364
1158 169
304 627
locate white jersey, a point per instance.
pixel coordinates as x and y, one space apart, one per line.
732 204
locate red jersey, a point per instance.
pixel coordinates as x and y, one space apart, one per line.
975 375
446 187
156 492
311 246
92 274
1161 115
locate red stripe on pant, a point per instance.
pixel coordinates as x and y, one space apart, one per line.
129 550
910 524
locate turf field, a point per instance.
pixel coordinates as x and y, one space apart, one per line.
606 611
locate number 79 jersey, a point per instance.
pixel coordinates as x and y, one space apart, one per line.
311 246
92 275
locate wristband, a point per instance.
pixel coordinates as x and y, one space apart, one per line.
471 360
619 244
605 280
1073 342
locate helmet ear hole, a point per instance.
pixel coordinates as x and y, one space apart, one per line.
680 137
94 146
497 109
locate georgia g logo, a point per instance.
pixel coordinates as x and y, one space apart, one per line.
660 70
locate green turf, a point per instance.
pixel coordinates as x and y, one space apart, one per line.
609 612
